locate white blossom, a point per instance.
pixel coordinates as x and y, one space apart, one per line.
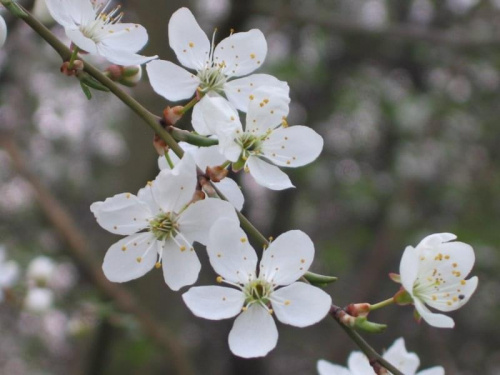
396 355
40 270
215 66
266 141
3 31
434 274
98 31
9 272
258 295
161 225
38 300
208 157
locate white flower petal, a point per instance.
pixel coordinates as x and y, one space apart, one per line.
146 195
129 37
287 258
171 81
197 220
9 273
238 90
187 39
3 32
433 319
198 121
436 239
57 9
80 40
293 146
359 365
214 302
131 257
208 157
230 253
397 356
232 192
300 304
181 266
453 296
438 370
266 110
241 53
327 368
268 175
81 11
219 115
408 268
122 214
173 189
254 333
120 57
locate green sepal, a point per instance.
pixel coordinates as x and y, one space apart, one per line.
362 323
238 165
86 90
403 298
395 277
91 82
319 280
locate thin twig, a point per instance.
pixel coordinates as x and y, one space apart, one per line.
79 249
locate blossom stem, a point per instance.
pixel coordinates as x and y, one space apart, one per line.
379 305
191 138
189 105
169 160
73 57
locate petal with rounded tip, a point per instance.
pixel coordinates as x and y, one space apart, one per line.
300 304
171 81
359 365
398 356
58 11
436 239
267 108
187 39
131 257
327 368
3 32
214 302
232 192
238 90
121 57
197 220
433 319
122 214
408 269
254 333
287 258
80 40
268 175
181 266
230 253
129 37
293 146
241 53
452 296
81 11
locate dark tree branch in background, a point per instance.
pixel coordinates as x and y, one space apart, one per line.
80 251
346 27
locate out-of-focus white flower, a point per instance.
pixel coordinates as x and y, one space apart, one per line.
38 300
161 225
9 272
235 56
41 12
274 291
434 274
266 142
41 270
396 355
209 157
3 31
94 29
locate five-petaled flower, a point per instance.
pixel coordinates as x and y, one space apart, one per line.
94 29
266 138
273 291
396 355
235 56
161 225
434 273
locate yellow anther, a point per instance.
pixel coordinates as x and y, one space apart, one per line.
244 308
191 44
150 183
157 265
128 195
124 248
252 97
271 238
219 279
287 302
139 259
271 311
243 239
183 248
463 282
252 55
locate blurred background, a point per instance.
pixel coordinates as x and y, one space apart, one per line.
405 94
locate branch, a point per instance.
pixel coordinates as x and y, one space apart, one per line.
349 28
64 223
81 252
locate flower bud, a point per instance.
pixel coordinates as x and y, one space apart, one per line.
131 75
216 174
172 114
3 31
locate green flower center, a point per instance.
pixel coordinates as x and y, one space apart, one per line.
212 79
258 291
164 225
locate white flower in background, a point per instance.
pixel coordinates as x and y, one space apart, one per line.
39 300
41 270
41 12
434 274
3 31
256 298
266 139
235 56
161 226
209 157
396 355
94 29
9 272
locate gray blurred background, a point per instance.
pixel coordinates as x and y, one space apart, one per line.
406 96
